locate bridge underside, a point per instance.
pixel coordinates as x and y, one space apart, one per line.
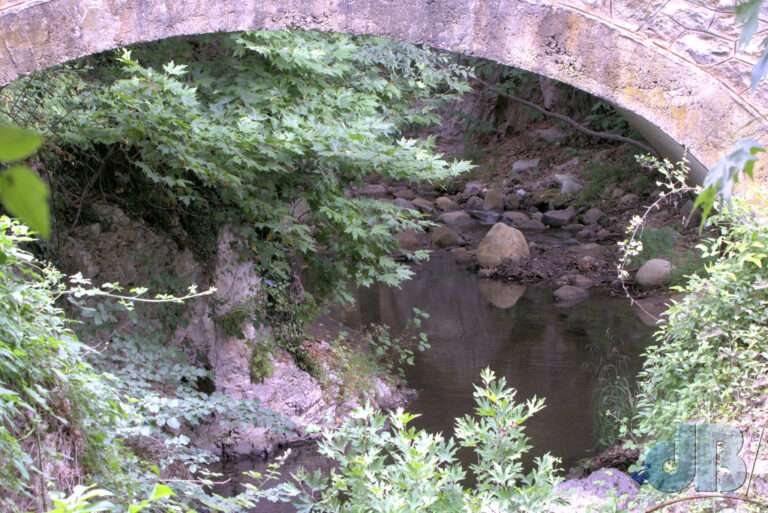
673 64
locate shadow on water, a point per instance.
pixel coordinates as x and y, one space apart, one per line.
542 349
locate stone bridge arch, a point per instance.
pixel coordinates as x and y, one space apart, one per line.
672 65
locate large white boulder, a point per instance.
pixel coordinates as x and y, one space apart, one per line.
500 243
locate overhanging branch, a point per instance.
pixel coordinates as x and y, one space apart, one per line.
579 127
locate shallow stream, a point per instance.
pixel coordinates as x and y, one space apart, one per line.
542 349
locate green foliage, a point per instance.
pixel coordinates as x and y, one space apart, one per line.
667 243
713 347
603 117
725 174
244 126
402 469
81 500
53 404
23 193
394 353
599 176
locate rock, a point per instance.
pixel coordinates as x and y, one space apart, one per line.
522 221
586 233
653 273
446 204
592 216
500 243
551 134
628 200
512 202
538 216
474 203
617 192
500 294
459 218
424 206
568 183
405 194
485 273
558 218
587 263
494 200
403 203
582 282
462 255
485 217
445 237
408 241
515 218
570 294
474 188
524 165
603 234
575 227
594 492
375 190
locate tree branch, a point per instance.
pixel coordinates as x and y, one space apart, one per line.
579 127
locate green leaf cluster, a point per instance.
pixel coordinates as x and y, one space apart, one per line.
402 469
712 349
23 193
251 128
53 404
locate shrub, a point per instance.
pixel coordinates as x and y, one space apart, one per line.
713 347
405 470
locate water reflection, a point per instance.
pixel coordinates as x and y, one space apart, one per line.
518 332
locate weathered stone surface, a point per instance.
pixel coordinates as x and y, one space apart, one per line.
445 237
629 54
408 241
446 204
375 190
459 218
558 218
628 200
570 294
595 491
500 243
568 183
494 200
512 201
592 216
653 273
406 194
403 203
424 206
473 188
474 203
525 165
515 218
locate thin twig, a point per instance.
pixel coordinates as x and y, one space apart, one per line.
706 496
579 127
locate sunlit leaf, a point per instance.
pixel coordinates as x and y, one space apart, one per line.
25 195
17 143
